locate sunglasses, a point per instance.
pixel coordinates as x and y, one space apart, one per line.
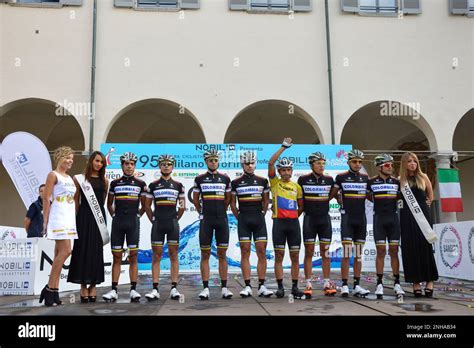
213 160
356 161
387 165
249 163
166 164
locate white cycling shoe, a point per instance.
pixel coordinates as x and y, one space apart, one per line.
398 290
379 291
246 292
135 296
174 294
264 292
226 293
344 291
360 291
111 296
153 295
204 294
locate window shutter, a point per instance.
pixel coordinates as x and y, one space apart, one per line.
190 4
459 6
302 5
411 6
124 3
350 5
238 4
71 2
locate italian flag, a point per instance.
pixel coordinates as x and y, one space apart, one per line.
450 191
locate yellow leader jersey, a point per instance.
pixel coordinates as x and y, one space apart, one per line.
285 196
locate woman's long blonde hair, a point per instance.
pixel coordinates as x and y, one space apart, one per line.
420 177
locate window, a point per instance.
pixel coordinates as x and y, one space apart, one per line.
154 4
53 3
270 5
462 7
381 7
158 4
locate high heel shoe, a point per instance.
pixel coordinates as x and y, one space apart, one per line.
47 295
84 299
429 293
417 292
92 298
56 297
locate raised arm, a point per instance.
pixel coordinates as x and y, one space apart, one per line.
287 142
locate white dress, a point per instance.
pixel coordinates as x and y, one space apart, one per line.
62 215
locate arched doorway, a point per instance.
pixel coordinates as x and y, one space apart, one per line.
393 127
463 143
155 121
50 123
269 121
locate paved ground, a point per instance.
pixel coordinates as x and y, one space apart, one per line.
451 298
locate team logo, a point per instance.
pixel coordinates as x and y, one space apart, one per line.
108 156
450 247
341 154
8 234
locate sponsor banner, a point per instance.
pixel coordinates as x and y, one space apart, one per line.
27 162
25 265
190 163
17 266
455 249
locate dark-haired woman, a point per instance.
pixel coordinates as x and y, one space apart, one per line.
87 260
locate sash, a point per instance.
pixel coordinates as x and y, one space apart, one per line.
88 191
420 218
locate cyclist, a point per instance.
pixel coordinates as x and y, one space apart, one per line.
213 188
252 193
126 194
384 191
165 193
353 187
287 205
316 191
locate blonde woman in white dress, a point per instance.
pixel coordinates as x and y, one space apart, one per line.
59 213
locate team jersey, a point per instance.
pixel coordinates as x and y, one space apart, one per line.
249 190
285 197
354 191
127 191
212 188
316 190
385 194
165 195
